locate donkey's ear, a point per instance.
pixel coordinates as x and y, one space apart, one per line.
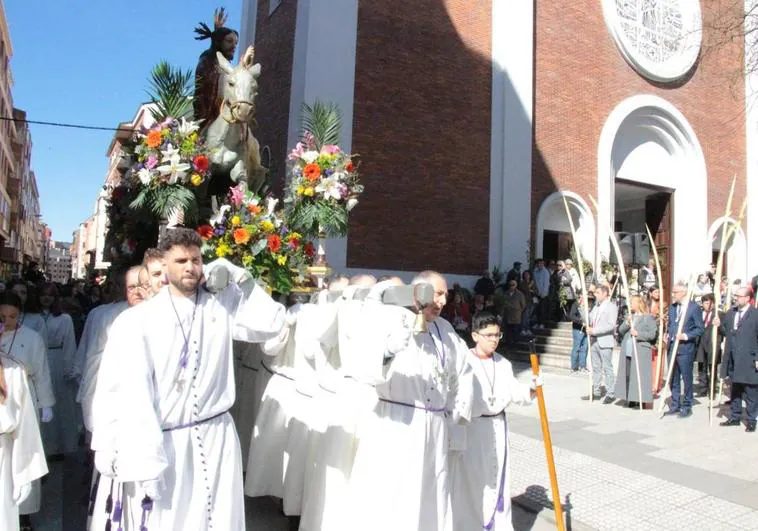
225 65
256 70
247 57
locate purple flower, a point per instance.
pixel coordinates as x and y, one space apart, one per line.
329 172
343 190
152 162
219 230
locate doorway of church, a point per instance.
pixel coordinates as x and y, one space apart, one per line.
636 205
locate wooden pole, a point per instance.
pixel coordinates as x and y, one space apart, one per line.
625 286
680 326
717 296
661 290
557 506
585 304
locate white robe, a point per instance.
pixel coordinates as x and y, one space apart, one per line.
249 392
480 471
34 321
280 442
173 423
89 354
61 435
400 475
28 348
22 459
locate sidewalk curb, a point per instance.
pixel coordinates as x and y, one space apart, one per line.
547 515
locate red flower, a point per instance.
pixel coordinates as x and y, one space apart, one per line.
309 250
349 167
312 172
200 162
205 232
294 243
274 243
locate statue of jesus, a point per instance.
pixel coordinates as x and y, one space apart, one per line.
207 101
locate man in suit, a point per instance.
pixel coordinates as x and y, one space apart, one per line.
740 327
603 321
692 329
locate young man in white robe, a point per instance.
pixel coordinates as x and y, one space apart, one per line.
479 469
172 440
22 459
400 477
153 262
28 348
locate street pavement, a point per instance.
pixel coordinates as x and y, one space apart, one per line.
617 468
624 469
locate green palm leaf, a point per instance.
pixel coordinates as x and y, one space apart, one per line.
170 91
323 121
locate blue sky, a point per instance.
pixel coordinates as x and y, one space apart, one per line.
87 62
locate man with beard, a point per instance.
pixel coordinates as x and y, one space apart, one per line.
173 443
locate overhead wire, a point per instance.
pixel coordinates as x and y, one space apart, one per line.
67 125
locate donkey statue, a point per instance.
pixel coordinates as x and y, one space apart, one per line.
234 150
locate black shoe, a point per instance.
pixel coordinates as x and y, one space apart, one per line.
683 414
594 397
675 411
609 400
633 404
750 428
731 422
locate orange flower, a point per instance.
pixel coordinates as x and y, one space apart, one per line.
205 232
241 236
312 172
254 209
154 139
274 243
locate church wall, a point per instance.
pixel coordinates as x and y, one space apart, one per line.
581 76
422 121
274 46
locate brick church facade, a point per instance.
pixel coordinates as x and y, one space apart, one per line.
476 119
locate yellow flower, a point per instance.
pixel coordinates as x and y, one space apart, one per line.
193 137
281 259
196 180
235 220
267 226
222 250
295 236
300 190
308 192
247 260
165 133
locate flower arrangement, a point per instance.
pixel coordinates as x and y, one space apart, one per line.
172 160
250 232
129 233
324 184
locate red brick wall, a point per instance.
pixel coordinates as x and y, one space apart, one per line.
274 48
581 76
422 124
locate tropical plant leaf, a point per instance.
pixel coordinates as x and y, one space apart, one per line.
310 218
323 121
171 91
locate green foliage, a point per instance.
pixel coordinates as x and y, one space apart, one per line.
310 217
323 121
171 91
162 200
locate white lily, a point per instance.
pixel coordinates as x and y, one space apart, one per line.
186 128
145 176
309 156
170 153
218 216
271 203
175 169
351 204
330 187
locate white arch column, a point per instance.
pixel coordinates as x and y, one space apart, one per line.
736 251
653 125
552 216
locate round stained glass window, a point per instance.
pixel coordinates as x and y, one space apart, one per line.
659 38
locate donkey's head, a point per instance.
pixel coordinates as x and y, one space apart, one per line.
239 85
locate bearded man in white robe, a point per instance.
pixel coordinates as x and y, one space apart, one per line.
173 441
400 475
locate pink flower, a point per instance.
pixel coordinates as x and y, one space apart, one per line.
310 140
297 152
152 162
237 196
330 149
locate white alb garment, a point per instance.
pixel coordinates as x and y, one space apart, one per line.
400 478
22 459
480 480
28 347
172 423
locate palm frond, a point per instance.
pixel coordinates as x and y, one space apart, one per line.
309 218
171 91
323 121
